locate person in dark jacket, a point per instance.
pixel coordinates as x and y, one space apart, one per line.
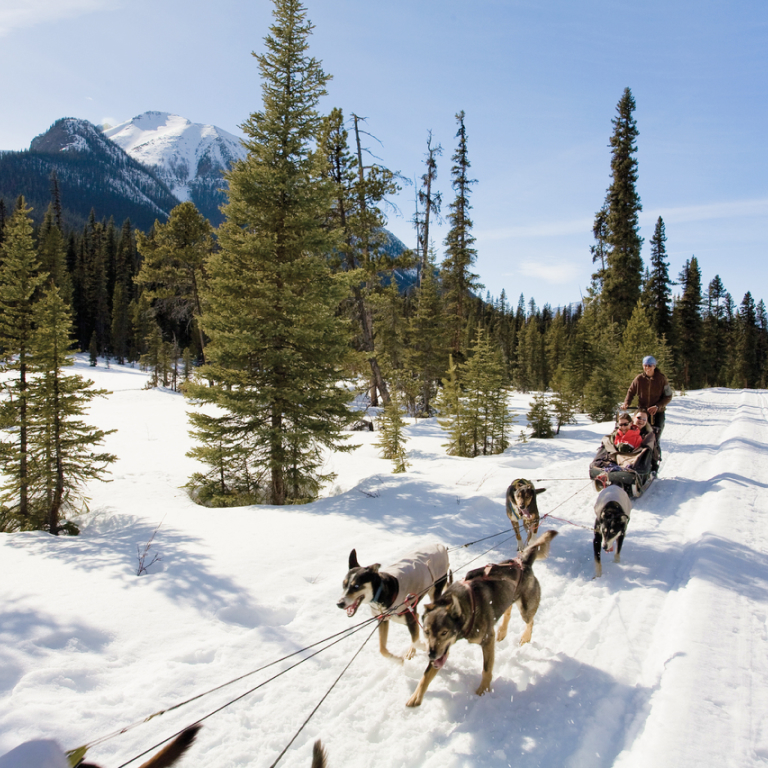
653 395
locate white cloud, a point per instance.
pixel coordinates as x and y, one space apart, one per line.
706 212
15 14
558 273
732 210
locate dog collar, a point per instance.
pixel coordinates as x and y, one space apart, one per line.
378 593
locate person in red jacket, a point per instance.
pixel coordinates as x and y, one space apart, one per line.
627 433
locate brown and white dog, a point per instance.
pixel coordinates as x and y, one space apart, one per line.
522 505
469 609
387 590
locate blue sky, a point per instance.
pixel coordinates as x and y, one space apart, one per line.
538 79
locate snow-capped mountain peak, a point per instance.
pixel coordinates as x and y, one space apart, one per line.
185 155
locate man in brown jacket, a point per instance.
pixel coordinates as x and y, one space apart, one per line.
653 394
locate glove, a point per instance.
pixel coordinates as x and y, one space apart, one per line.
624 448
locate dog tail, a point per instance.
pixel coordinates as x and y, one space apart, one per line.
170 754
538 549
319 758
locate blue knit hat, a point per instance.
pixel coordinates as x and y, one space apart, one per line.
649 360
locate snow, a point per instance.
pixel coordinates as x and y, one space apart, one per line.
176 148
660 662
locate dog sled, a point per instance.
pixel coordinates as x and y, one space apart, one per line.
629 469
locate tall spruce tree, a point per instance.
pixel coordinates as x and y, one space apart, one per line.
460 254
64 447
173 267
20 283
624 265
747 367
687 322
657 295
277 347
716 333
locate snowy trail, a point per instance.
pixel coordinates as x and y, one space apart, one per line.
663 661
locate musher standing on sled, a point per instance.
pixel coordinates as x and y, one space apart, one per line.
653 394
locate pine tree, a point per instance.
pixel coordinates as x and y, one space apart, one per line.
392 437
63 445
52 252
638 341
460 254
430 201
687 320
20 283
747 369
540 417
563 409
716 333
657 295
451 412
624 266
277 347
173 267
121 324
485 420
426 352
359 190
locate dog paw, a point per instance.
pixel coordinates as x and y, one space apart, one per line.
410 653
414 701
500 635
483 689
616 558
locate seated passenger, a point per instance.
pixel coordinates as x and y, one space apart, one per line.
650 439
627 434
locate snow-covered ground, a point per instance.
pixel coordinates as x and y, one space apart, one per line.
661 662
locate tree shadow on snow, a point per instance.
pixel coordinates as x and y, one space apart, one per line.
32 633
185 577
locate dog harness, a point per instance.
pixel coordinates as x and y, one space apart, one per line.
489 571
415 574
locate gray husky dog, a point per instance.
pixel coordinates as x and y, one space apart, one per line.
469 609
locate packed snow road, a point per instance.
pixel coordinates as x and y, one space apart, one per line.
661 662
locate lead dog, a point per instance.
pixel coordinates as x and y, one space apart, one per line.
469 609
522 505
612 510
387 591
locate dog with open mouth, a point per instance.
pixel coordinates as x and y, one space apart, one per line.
523 507
394 592
469 609
612 509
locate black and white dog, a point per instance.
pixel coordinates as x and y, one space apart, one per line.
395 591
612 510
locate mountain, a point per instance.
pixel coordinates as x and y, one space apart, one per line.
190 158
93 173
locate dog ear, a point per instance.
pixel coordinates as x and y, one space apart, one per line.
375 567
455 610
353 560
429 607
540 490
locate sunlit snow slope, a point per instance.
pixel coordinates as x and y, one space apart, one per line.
661 662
